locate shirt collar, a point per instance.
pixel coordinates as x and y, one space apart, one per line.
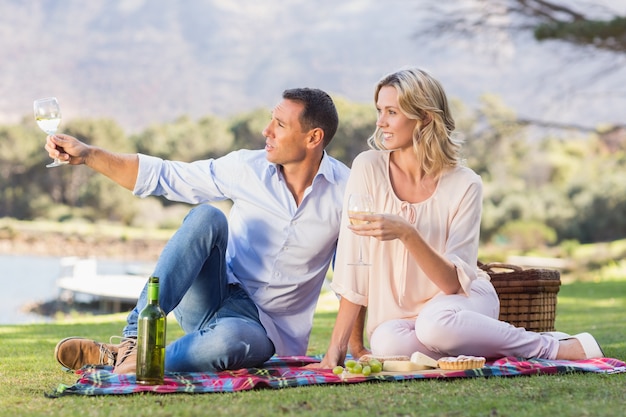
325 170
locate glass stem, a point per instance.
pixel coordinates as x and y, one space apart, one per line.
361 250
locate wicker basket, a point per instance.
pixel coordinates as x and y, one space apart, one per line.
527 296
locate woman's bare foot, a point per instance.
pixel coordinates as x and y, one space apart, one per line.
357 352
571 349
580 346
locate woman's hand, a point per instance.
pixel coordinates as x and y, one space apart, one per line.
382 226
332 358
439 270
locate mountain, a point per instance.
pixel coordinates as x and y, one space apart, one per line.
149 61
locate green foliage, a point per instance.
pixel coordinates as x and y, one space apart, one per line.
572 186
104 133
247 129
22 151
19 143
582 31
114 203
356 125
186 140
526 235
601 209
495 146
537 191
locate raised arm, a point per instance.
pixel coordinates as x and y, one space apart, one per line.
121 168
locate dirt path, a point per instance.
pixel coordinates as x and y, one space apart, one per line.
58 244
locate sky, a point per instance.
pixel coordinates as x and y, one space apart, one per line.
247 51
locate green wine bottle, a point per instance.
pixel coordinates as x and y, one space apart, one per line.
151 339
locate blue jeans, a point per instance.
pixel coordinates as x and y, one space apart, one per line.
220 321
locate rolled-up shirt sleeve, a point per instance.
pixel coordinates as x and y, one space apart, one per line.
463 237
148 175
179 181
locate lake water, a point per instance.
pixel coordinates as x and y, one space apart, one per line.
27 279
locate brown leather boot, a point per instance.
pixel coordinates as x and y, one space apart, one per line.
75 352
126 362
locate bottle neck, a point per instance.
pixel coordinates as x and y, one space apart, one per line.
153 293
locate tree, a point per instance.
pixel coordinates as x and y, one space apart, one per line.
495 145
356 124
585 24
592 30
247 129
22 150
185 140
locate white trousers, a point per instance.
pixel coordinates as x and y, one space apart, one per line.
452 325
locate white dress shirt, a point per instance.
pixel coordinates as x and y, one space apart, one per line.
278 251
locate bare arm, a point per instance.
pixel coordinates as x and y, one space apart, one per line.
336 353
356 345
121 168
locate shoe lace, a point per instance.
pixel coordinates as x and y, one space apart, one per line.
106 353
119 340
127 347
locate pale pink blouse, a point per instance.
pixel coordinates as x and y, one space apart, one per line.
394 287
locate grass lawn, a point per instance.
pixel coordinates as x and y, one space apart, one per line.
28 370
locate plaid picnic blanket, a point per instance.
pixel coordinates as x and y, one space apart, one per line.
283 372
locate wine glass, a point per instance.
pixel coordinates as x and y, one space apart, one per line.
48 117
360 204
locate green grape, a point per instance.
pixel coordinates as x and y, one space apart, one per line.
375 366
351 363
356 369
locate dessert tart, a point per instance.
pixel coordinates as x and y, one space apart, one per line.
461 362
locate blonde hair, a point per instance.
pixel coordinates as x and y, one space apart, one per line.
421 97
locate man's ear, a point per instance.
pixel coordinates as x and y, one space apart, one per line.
316 136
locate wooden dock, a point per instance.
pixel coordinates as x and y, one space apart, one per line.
79 280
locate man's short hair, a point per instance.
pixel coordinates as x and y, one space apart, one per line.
319 110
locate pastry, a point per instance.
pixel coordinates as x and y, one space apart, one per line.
461 362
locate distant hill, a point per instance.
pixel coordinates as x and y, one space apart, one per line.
150 61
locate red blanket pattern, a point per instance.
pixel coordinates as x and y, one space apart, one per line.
283 372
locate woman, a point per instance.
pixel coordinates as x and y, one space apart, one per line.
423 289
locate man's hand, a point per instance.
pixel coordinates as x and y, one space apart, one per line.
121 168
66 148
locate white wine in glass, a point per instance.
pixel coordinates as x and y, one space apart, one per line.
360 204
48 117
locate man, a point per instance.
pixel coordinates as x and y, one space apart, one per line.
245 289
